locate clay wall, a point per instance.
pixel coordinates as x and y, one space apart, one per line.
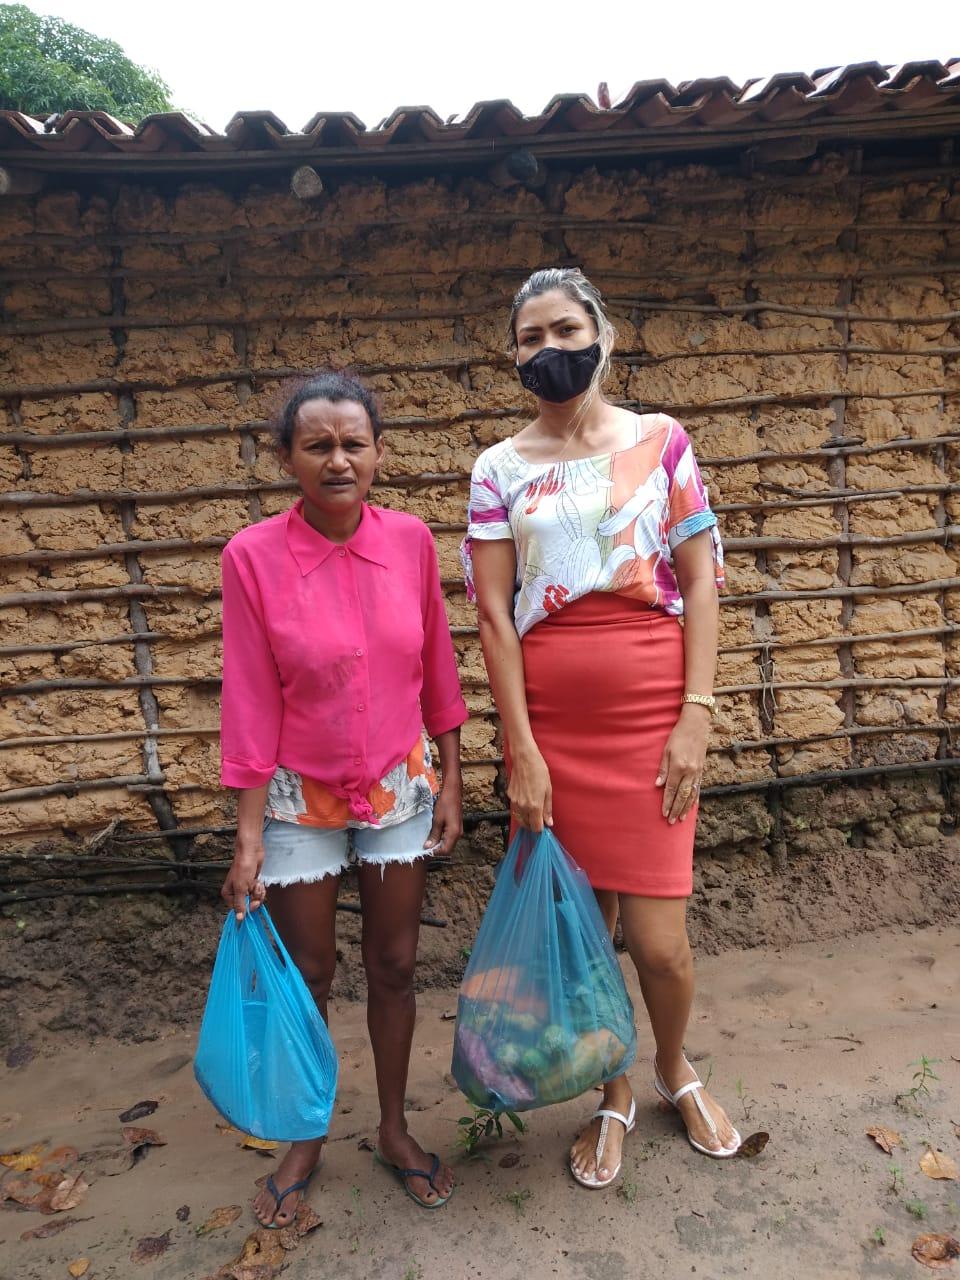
804 324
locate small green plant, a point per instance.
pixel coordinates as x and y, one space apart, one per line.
916 1207
466 953
484 1123
413 1272
879 1236
357 1209
519 1199
923 1073
628 1191
896 1178
746 1103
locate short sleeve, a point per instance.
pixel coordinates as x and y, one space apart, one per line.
688 503
487 516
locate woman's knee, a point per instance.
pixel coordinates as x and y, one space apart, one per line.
665 957
389 969
317 969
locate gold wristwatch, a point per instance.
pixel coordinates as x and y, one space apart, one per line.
702 700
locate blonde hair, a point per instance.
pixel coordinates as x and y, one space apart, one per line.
572 282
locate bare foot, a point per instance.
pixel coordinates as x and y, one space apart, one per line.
403 1150
675 1078
299 1162
617 1095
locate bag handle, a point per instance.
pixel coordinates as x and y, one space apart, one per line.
526 842
266 925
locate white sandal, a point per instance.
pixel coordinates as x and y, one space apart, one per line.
606 1114
695 1087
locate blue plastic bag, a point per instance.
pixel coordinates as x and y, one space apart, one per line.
543 1013
264 1058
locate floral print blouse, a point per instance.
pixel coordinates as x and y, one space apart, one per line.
605 523
408 789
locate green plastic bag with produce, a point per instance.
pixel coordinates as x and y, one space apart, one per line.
543 1013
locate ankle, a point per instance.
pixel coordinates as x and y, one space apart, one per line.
671 1065
393 1131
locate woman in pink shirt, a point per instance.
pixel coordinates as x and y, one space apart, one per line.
337 662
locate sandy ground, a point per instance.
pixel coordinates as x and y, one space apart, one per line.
810 1043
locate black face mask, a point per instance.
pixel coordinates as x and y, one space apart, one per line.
556 375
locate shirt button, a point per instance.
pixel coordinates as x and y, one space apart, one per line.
361 707
341 553
357 760
359 653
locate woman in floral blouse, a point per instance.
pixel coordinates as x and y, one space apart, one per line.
589 537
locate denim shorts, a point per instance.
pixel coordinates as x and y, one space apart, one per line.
297 854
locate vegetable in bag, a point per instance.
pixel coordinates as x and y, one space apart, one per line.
543 1013
264 1057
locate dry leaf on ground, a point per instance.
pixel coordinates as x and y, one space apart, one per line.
24 1190
510 1160
886 1139
68 1193
183 1213
262 1248
151 1247
48 1193
222 1127
305 1220
79 1266
23 1161
753 1145
250 1271
258 1144
935 1164
142 1137
138 1111
221 1217
936 1251
52 1228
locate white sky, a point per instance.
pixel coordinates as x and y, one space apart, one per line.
369 56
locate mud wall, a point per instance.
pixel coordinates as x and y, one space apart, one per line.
804 323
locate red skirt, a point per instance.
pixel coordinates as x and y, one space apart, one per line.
604 679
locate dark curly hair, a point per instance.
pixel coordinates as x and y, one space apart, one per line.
331 386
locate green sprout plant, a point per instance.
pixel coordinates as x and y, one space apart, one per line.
519 1199
482 1124
923 1073
628 1191
358 1225
746 1103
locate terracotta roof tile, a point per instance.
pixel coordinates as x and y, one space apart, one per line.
864 91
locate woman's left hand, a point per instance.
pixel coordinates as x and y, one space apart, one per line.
681 767
447 821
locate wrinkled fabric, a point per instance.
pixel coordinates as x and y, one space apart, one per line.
334 656
610 522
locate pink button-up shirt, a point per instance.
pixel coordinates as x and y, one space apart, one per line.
334 656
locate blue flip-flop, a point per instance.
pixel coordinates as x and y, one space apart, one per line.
280 1196
404 1174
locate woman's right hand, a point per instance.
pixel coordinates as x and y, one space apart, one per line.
530 791
243 878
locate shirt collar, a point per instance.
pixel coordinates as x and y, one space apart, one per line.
310 548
